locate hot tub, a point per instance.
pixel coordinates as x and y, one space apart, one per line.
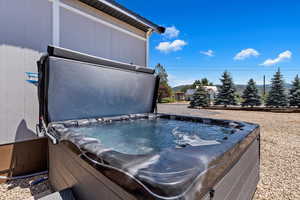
107 141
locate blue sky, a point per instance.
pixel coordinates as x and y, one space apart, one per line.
206 37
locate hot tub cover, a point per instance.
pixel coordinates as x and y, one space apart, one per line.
81 90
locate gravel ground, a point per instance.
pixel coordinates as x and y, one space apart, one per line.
280 148
21 189
280 151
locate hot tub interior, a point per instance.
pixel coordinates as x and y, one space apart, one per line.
143 136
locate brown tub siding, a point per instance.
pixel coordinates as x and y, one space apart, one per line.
68 170
23 158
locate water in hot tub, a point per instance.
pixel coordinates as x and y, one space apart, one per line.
145 136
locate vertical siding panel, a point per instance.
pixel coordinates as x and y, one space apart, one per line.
128 49
115 46
15 91
3 127
2 72
92 37
42 32
102 41
13 63
76 32
25 33
30 95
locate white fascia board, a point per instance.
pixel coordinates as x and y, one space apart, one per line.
126 13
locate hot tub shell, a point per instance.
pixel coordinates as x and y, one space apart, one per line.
228 171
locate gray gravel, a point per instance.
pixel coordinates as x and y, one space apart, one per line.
21 189
183 110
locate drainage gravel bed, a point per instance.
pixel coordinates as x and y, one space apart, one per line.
280 154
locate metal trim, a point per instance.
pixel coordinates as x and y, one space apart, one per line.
122 13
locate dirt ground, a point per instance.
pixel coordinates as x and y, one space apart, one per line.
280 154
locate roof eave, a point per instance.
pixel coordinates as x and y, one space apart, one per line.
118 11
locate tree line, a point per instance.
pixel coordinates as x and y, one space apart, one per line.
227 94
250 97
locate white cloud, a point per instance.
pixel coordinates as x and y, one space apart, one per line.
171 32
282 56
246 53
166 47
209 53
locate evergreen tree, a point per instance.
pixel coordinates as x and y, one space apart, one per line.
250 95
294 97
164 90
276 95
162 73
205 82
226 95
200 97
196 84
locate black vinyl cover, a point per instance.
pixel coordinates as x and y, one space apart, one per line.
79 86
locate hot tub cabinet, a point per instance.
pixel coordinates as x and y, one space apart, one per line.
107 142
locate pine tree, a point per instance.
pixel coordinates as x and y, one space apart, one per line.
276 96
203 82
164 90
250 95
162 73
200 98
294 97
226 95
196 84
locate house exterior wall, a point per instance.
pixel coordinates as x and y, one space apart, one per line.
27 27
84 24
25 33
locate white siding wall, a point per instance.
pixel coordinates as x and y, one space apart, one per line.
26 30
84 25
